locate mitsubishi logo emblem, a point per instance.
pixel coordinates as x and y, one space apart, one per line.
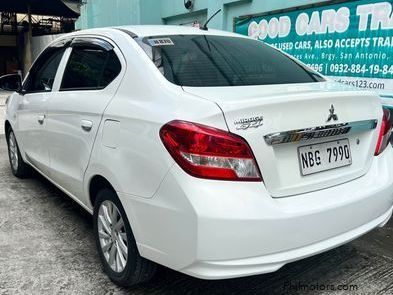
332 115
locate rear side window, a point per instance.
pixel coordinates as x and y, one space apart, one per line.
89 69
205 60
42 75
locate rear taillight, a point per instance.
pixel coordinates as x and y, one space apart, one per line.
384 133
207 152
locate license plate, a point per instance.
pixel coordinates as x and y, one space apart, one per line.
324 156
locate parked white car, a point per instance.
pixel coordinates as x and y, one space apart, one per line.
204 151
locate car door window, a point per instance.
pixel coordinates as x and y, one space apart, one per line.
43 73
90 68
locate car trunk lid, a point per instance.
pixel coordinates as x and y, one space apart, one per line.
282 122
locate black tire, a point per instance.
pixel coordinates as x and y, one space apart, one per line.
20 169
137 268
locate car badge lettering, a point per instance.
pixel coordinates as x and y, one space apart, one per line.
245 123
332 115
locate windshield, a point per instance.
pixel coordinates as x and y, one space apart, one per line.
206 60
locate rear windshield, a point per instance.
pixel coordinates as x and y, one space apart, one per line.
205 60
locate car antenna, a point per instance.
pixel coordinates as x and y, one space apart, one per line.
204 27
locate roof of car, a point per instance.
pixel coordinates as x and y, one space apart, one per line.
157 30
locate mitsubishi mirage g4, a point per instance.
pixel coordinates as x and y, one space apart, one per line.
207 152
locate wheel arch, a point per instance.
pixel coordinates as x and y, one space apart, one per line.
7 126
97 183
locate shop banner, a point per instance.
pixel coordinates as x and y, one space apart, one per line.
351 41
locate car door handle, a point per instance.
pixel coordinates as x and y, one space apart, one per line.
86 125
41 119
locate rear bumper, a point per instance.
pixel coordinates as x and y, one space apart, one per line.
217 229
272 262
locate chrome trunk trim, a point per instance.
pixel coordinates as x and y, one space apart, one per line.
319 132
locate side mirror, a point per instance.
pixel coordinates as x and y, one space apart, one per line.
12 82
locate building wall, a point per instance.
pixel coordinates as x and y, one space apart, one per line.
7 41
39 43
8 54
101 13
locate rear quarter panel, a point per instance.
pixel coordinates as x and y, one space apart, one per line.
132 157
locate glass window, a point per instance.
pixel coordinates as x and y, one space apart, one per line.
42 75
111 70
206 60
89 68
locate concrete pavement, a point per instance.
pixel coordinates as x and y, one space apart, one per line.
47 247
1 120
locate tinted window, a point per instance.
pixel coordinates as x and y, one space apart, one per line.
198 60
42 75
90 69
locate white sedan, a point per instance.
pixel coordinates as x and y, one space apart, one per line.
205 151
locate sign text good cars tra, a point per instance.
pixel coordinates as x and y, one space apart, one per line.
350 41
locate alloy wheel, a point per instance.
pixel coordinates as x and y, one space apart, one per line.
112 236
13 151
